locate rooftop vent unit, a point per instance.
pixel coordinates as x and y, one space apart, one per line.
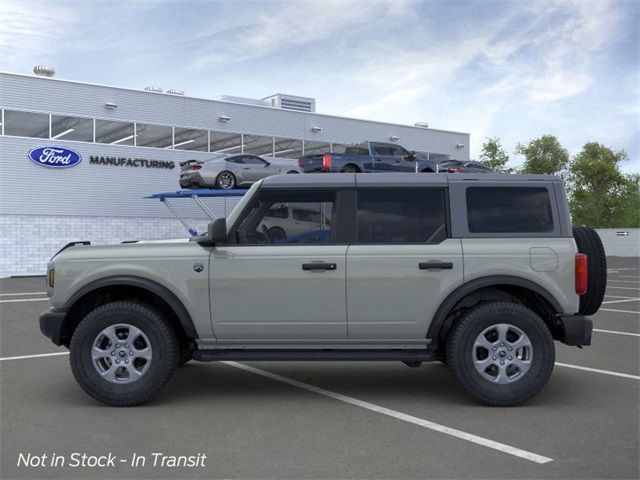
153 88
243 100
291 102
175 91
44 71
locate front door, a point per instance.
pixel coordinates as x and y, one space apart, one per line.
280 279
402 263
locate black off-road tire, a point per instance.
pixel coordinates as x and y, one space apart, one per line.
588 242
185 357
164 344
459 353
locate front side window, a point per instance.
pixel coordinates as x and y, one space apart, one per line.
251 160
401 216
509 210
268 220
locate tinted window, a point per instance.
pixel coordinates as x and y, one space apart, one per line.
253 160
401 216
357 151
72 128
26 124
509 210
235 159
267 220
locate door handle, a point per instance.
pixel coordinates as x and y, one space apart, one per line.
435 265
319 266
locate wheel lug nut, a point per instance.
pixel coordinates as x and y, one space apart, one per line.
510 357
113 353
510 348
117 361
117 345
502 344
501 362
126 345
494 357
494 349
126 360
130 353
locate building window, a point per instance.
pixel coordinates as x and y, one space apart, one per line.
190 139
316 148
71 128
114 133
401 216
26 124
224 142
258 145
287 148
157 136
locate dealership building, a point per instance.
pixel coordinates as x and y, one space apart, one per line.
127 144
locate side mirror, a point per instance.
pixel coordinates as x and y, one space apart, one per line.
410 156
216 233
267 163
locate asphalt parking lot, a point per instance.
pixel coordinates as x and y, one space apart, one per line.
328 420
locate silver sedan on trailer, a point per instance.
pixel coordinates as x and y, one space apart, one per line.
230 171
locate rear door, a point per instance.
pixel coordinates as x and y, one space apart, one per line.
402 264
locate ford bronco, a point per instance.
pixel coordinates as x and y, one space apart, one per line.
479 271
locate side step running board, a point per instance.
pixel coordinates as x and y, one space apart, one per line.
422 355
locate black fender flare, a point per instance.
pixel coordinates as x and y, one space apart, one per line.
128 280
468 288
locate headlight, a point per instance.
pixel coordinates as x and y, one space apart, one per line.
51 277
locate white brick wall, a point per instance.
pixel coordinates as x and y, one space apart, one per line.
27 242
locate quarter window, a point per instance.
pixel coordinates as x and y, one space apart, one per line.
268 221
509 210
401 216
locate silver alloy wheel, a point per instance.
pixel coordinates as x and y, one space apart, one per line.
226 180
121 353
502 353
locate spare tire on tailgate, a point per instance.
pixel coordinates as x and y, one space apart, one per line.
588 241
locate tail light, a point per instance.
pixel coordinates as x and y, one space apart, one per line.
326 162
299 163
581 273
196 167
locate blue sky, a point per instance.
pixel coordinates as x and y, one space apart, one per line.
512 69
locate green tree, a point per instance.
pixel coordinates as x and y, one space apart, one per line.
543 155
601 195
494 156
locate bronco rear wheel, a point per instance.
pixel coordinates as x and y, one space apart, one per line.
501 353
123 353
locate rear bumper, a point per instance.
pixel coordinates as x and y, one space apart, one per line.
576 329
53 325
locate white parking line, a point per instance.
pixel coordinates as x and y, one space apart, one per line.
21 293
617 333
619 311
485 442
621 301
17 300
597 370
623 281
637 289
628 276
615 296
40 355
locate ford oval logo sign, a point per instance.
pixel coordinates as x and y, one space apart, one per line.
55 157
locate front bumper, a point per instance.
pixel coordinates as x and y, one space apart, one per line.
53 324
576 329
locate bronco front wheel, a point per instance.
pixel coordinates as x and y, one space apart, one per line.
123 353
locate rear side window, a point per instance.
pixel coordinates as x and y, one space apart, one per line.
509 210
401 216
